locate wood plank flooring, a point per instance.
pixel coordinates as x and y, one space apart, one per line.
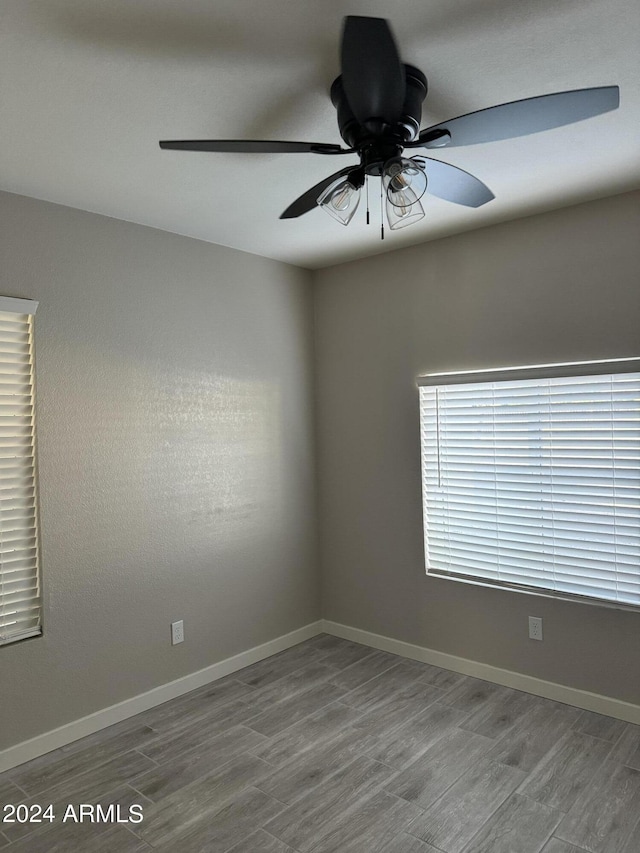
332 747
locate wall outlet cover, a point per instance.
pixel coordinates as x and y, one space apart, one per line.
177 632
535 627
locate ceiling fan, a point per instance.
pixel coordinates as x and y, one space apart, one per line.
379 100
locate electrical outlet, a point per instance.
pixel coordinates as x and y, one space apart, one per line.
177 633
535 627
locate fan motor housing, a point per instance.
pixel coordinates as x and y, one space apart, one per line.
405 130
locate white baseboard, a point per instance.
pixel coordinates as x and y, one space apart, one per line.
548 689
70 732
63 735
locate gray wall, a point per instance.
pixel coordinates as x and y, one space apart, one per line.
175 418
558 287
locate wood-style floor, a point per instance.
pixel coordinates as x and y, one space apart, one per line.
332 747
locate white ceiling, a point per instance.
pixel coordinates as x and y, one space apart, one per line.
88 87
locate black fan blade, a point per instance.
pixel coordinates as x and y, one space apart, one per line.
373 76
520 118
253 146
307 201
454 184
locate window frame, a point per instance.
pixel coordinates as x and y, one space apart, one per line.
20 306
566 370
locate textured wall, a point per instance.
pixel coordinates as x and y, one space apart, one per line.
558 287
176 457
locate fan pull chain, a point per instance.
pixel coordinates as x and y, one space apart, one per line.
381 213
366 188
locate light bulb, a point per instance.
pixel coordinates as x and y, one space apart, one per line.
401 202
340 198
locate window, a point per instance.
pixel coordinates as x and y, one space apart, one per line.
531 478
19 563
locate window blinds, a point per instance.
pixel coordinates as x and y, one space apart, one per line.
19 579
533 480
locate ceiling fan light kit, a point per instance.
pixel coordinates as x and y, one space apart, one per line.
404 182
378 100
402 179
340 200
399 216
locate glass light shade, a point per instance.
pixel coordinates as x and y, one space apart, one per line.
404 210
404 180
340 200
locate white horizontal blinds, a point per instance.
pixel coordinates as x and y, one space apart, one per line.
19 579
535 483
